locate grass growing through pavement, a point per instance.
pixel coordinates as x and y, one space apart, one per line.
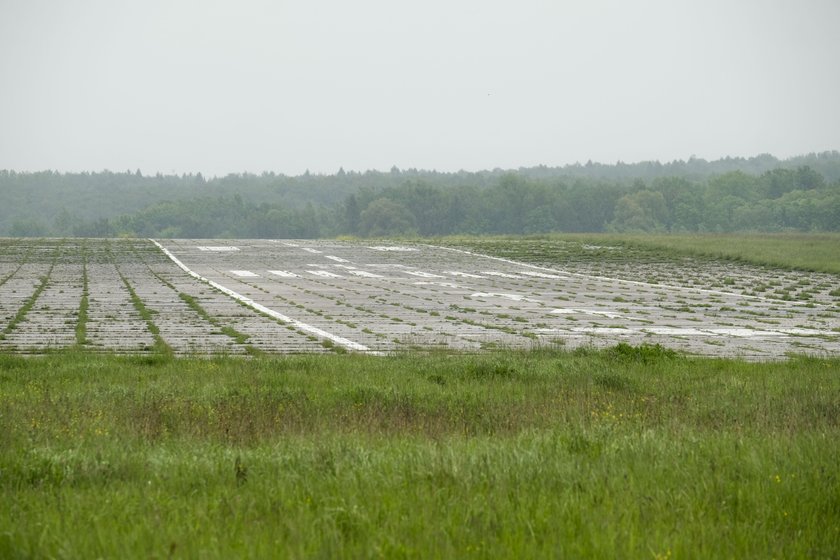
630 452
145 313
238 337
84 302
811 252
27 306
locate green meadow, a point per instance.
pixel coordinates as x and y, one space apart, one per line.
630 452
810 252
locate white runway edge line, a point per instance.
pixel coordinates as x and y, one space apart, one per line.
349 344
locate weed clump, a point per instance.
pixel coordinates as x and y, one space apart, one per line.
643 353
486 370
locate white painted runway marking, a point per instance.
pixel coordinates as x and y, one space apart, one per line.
364 274
463 274
743 333
378 265
422 274
511 297
245 273
263 309
578 311
599 247
539 274
500 274
803 332
677 331
324 274
284 273
217 249
442 284
311 250
336 259
395 248
601 330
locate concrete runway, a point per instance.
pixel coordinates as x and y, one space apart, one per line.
384 297
316 296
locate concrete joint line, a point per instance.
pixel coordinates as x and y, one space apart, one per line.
349 344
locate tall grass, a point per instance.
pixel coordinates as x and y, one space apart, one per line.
630 452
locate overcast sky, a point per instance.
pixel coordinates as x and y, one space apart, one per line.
250 85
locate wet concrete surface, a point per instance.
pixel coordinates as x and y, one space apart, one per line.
316 296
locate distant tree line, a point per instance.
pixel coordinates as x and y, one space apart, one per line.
778 200
375 204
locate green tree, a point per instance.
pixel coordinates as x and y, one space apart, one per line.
644 210
539 220
27 227
384 217
352 215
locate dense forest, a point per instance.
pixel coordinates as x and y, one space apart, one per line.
731 194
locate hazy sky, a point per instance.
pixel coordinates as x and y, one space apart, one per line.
229 86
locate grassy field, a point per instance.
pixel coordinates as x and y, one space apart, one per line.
628 453
809 252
